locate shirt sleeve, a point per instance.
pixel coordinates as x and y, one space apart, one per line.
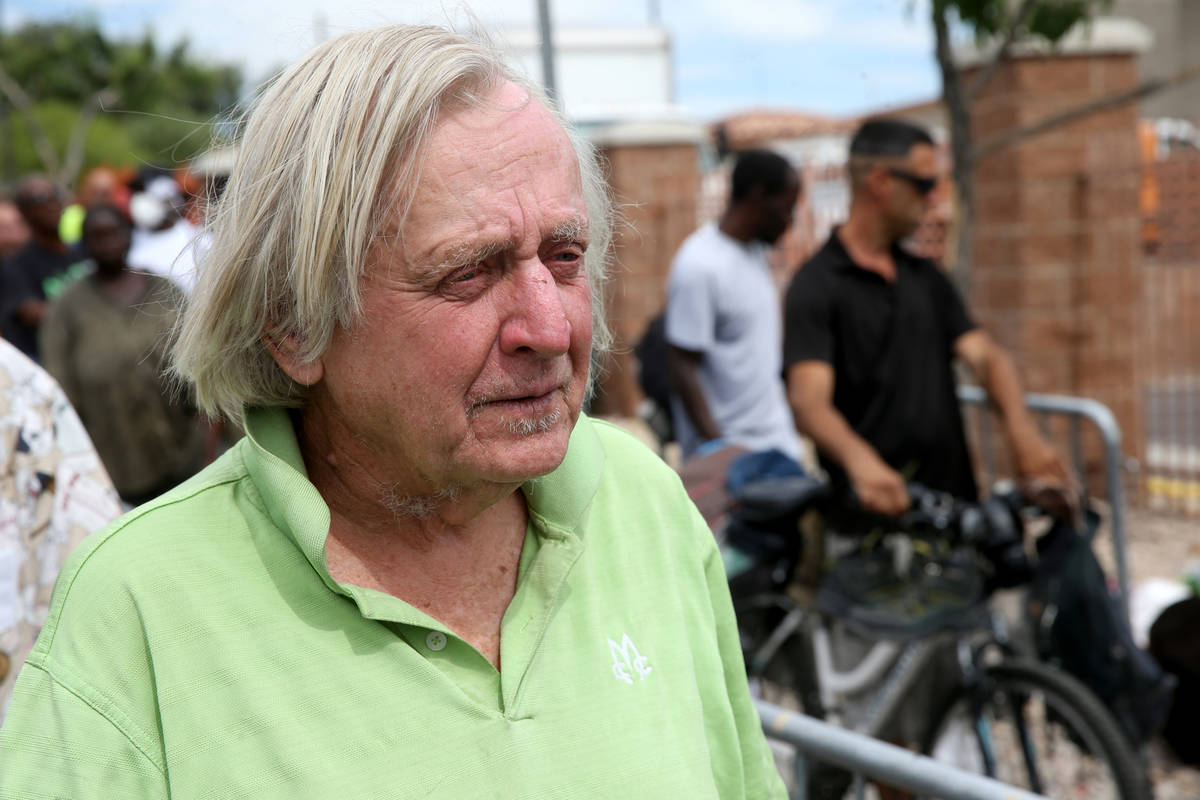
807 320
54 744
955 317
759 775
691 321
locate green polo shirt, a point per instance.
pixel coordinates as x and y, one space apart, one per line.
200 648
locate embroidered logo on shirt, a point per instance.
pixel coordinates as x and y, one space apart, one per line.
627 660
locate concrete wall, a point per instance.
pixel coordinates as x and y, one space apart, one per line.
1176 28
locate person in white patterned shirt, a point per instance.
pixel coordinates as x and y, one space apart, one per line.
53 492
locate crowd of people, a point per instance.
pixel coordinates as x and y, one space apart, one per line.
91 289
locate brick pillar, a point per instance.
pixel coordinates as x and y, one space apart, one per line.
1058 267
656 186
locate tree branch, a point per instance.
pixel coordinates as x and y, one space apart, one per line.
1016 26
21 102
960 148
73 159
1144 89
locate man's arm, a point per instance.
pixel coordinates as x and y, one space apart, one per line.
683 367
810 393
54 744
994 368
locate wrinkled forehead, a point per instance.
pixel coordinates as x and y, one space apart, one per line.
506 148
508 130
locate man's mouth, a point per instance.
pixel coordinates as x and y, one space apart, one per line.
540 400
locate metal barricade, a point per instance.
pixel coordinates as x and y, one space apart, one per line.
1075 410
876 759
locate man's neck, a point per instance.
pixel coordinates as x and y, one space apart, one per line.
366 496
454 556
736 226
868 242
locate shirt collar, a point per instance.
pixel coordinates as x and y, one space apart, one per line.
275 465
843 261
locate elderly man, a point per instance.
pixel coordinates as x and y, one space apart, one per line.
423 572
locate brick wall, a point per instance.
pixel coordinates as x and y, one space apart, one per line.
1058 264
657 188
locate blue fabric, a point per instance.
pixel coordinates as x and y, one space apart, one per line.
760 465
710 447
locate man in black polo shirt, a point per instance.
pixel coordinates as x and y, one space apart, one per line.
871 332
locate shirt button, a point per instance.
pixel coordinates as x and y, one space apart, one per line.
435 640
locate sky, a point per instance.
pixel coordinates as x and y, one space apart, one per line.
834 57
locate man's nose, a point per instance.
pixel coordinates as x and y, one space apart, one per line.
535 318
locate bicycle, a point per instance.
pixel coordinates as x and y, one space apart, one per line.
1024 722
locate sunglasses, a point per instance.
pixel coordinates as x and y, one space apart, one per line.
923 185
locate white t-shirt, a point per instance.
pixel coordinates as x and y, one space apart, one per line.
172 253
722 302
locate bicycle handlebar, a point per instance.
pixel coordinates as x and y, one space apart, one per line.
764 516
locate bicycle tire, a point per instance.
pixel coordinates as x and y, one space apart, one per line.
1080 750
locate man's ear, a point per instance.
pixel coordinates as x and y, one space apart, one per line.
285 350
877 179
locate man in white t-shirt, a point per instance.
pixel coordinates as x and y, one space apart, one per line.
165 242
723 318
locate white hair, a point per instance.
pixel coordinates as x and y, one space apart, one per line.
330 154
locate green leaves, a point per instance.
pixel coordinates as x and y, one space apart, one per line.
63 66
1052 20
1049 20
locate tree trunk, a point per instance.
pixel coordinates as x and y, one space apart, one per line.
960 149
73 158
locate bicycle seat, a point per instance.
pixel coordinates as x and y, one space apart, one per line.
778 498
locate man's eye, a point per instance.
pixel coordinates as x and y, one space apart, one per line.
466 281
566 262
